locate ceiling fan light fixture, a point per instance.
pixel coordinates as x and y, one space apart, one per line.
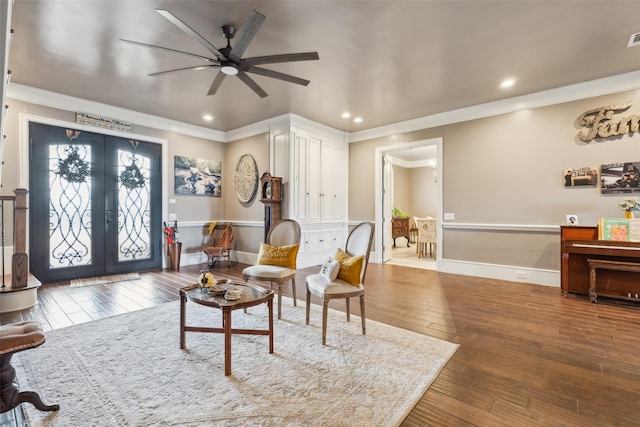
229 59
229 70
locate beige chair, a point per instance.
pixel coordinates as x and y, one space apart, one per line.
284 233
358 244
220 245
426 237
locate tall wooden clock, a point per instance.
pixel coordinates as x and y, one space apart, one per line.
271 196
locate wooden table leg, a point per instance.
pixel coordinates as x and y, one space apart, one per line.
270 306
183 304
279 301
226 315
592 285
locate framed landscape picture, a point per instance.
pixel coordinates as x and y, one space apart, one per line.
197 177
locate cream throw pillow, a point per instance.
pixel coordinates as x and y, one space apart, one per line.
330 269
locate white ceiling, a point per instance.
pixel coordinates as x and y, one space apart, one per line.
387 61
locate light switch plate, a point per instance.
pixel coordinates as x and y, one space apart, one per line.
173 217
449 216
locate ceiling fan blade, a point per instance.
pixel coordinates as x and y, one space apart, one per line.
190 32
277 75
171 50
216 83
197 67
252 84
276 59
248 30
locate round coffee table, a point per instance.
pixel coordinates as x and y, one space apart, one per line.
251 295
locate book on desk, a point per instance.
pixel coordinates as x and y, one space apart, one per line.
619 229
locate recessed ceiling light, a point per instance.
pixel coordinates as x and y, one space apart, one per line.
346 115
208 117
507 83
357 120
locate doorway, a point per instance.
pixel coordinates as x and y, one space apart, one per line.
384 192
95 204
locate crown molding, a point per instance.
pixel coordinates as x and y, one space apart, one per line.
248 131
584 90
47 98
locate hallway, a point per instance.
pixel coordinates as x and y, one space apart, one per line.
406 256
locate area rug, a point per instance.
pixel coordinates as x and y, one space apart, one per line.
90 281
128 370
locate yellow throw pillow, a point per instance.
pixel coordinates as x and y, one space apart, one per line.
350 267
283 256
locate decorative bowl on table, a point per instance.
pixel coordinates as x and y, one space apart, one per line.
219 289
233 294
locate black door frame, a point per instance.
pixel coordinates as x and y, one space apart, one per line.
27 120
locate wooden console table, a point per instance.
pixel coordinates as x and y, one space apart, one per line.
581 245
400 228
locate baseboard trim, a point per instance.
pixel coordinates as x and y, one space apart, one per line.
510 273
501 272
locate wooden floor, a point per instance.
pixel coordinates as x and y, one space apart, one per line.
527 356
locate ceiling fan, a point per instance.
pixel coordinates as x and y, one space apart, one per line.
229 59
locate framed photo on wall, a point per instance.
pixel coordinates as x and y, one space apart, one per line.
197 177
581 177
620 178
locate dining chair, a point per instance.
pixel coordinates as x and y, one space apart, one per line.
353 262
426 237
277 259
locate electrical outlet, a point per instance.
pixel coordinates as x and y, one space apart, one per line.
173 217
450 216
521 274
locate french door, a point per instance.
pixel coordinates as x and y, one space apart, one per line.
94 202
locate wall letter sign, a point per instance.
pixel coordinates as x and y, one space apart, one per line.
599 122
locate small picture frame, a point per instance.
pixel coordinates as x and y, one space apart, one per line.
572 219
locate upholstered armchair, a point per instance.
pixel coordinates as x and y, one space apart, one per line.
347 279
276 262
16 337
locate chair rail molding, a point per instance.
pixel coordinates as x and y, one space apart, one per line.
502 227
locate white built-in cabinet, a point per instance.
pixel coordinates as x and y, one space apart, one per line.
319 172
316 184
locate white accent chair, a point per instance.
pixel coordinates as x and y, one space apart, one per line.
358 243
284 233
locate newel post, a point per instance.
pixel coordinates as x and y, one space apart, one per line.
20 259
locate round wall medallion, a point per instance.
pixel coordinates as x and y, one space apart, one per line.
245 180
